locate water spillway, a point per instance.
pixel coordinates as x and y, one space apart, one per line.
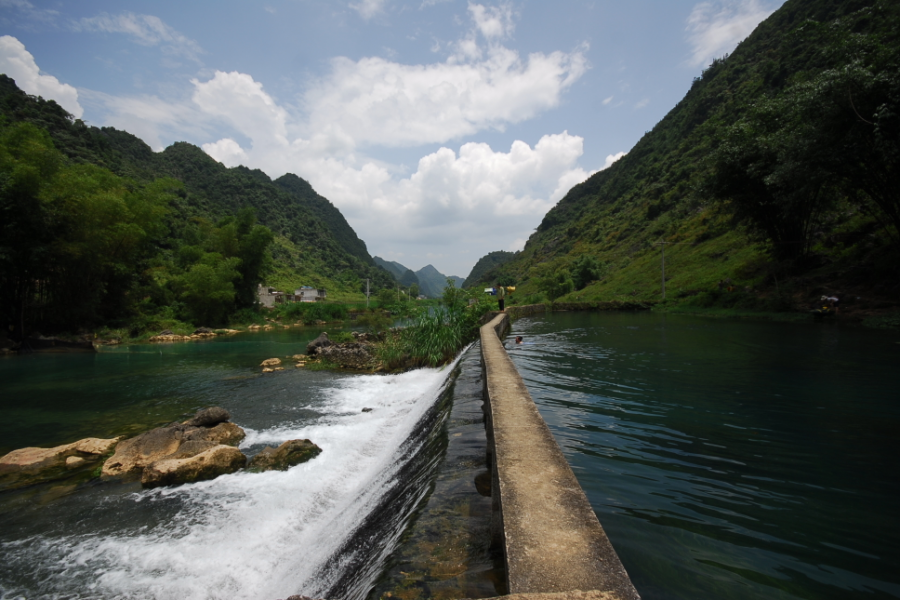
321 529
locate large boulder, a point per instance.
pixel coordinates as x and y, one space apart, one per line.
194 461
209 426
223 433
320 342
134 454
208 417
288 454
28 466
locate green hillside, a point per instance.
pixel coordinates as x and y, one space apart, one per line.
200 236
394 268
777 175
483 270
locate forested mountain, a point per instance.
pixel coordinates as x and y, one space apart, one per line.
431 282
778 173
99 228
394 268
482 272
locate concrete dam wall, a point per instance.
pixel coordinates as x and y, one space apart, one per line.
552 542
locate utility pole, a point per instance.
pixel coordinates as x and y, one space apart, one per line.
367 292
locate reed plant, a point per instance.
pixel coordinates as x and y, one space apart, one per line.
436 333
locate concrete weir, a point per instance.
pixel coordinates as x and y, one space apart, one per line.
552 542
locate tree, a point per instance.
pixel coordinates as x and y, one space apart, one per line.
834 135
585 270
553 278
208 288
414 291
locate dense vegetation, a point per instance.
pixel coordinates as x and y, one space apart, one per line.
773 181
436 333
480 272
96 229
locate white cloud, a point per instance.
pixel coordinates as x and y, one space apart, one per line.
241 101
146 30
29 10
368 8
151 118
494 22
642 104
19 64
611 158
715 27
606 101
376 101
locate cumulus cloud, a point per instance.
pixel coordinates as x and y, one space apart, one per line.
19 64
611 158
493 22
715 27
146 30
376 101
368 8
239 100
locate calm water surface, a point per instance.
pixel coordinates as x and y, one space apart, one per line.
729 459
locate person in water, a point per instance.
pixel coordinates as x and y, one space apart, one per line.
501 296
518 339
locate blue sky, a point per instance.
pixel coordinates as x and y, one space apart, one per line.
442 129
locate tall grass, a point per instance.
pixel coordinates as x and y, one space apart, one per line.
436 334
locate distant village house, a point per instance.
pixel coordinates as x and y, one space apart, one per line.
269 297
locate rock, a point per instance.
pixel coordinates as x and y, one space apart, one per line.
367 409
320 342
299 357
253 327
225 433
194 461
267 370
166 332
96 446
300 365
203 330
28 466
134 454
352 355
270 362
73 462
288 454
175 441
208 417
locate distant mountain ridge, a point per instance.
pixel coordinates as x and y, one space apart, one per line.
431 282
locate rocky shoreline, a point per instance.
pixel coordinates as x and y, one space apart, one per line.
198 449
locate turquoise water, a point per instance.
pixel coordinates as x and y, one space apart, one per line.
729 459
323 528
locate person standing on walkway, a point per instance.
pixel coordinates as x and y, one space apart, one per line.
501 296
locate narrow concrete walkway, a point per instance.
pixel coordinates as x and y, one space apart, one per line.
550 536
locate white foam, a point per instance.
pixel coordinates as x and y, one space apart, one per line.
254 536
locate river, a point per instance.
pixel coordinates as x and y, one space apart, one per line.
725 458
324 528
